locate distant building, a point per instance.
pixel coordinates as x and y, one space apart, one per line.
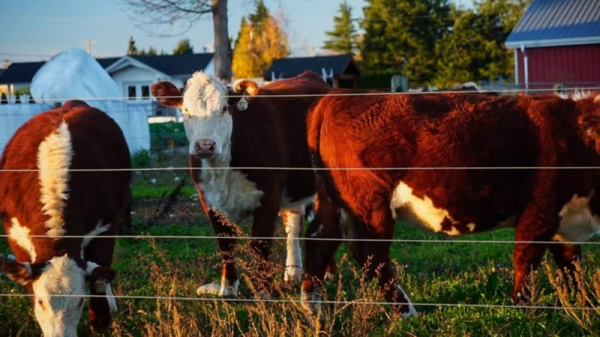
133 74
557 43
340 71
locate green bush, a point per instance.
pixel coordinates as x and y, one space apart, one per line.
141 159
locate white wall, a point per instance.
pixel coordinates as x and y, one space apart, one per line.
131 118
12 116
133 76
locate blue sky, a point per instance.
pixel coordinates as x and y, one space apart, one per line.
37 29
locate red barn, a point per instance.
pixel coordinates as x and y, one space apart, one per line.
557 42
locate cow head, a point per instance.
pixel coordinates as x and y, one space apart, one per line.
205 107
58 290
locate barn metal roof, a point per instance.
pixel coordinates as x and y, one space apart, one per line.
548 23
289 67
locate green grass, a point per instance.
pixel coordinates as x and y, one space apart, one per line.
430 273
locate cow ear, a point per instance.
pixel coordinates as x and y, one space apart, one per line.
99 276
245 87
21 273
167 94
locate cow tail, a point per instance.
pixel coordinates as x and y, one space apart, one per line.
315 124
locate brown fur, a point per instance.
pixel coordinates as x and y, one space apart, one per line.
451 131
270 133
97 143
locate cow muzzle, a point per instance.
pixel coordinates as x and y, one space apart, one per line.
205 148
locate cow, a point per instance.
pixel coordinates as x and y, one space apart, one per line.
442 148
54 217
233 133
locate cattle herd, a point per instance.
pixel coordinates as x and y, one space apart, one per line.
451 163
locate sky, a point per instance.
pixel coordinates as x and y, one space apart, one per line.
34 30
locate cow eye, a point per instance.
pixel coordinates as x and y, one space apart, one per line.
41 304
225 109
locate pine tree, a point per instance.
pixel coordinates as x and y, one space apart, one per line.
400 35
256 19
258 44
343 37
183 47
131 48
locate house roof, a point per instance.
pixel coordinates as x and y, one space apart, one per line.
171 65
548 23
289 67
21 72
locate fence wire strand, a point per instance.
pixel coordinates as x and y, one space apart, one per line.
290 301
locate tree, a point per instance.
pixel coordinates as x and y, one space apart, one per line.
258 44
261 13
183 47
473 50
400 35
343 38
131 48
169 12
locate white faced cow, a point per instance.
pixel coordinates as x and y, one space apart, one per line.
48 201
229 132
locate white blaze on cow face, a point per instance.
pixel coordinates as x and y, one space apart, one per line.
59 315
577 224
54 158
20 235
208 124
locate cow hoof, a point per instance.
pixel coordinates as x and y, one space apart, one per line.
292 274
209 289
222 290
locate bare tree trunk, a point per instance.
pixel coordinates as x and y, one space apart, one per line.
222 56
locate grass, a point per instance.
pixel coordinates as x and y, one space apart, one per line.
431 273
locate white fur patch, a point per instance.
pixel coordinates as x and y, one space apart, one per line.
20 235
92 234
421 211
293 223
577 224
59 315
204 95
225 289
576 95
411 309
54 159
228 191
204 109
110 297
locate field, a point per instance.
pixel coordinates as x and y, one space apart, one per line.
478 276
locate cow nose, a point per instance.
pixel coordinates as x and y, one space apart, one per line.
205 148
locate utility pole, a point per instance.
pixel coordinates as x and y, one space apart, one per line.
89 43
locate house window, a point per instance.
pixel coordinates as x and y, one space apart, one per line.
145 92
131 92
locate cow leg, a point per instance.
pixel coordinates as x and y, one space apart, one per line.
535 224
293 219
374 256
100 252
229 277
564 256
319 253
265 220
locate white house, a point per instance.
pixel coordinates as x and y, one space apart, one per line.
133 74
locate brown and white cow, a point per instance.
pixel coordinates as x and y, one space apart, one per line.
227 132
48 201
451 132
